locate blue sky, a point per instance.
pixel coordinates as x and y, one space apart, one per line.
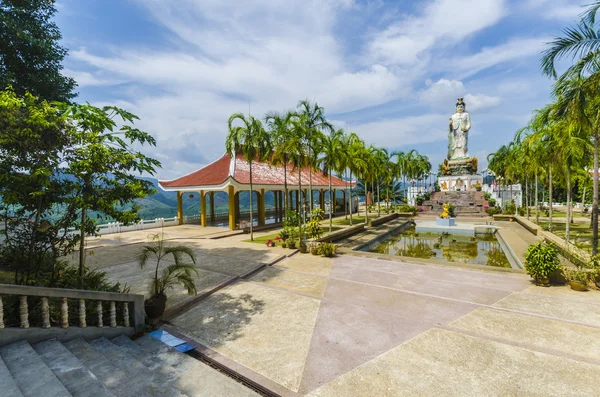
389 70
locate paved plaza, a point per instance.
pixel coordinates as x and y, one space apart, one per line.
364 326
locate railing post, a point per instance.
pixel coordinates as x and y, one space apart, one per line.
23 311
126 314
64 313
82 322
99 310
45 313
113 315
1 313
139 313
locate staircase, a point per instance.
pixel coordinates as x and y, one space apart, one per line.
108 368
468 204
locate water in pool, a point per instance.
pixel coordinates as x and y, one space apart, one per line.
482 249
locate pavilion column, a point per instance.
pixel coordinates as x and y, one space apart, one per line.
237 206
276 204
212 207
261 208
346 204
202 208
180 207
232 218
322 199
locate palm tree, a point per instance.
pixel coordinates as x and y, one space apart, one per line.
354 160
178 273
576 88
332 152
314 123
297 150
280 130
253 142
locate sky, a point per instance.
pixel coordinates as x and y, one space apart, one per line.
388 70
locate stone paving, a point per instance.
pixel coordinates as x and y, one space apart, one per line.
362 326
357 326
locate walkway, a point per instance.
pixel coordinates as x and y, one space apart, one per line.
356 326
517 237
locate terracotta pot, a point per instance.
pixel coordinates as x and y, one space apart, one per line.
155 306
578 285
303 249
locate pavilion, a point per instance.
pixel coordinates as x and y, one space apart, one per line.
232 176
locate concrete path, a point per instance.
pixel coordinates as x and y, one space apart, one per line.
357 326
517 237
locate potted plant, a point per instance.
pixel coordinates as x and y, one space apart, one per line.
178 273
477 186
292 244
578 279
270 243
302 247
315 248
328 250
541 260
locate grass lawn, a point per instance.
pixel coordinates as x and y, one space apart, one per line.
356 219
581 234
264 239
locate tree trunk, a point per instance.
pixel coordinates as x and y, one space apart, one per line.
367 204
527 198
285 202
251 206
595 198
330 205
537 207
568 225
583 199
82 246
351 198
550 197
378 198
300 206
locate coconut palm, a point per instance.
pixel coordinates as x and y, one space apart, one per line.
354 160
253 142
576 88
280 130
332 152
314 124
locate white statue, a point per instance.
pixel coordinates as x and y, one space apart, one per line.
458 134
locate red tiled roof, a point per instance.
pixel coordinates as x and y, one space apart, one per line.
263 173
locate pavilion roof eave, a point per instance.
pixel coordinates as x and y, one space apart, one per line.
244 186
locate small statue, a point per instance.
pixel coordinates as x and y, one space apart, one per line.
458 132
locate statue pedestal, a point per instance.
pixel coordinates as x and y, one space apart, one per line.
459 183
445 221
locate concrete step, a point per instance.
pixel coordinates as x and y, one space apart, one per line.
196 379
7 383
152 382
30 372
74 376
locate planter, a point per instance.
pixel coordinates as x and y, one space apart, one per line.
543 281
314 251
246 230
303 249
155 306
284 245
445 221
578 285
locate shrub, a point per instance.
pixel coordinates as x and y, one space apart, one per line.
427 196
327 250
522 211
419 200
408 208
313 227
285 234
492 202
487 196
491 211
541 260
511 208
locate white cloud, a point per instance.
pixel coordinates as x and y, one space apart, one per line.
562 10
450 21
405 130
444 93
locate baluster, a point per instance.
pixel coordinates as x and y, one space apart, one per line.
64 313
24 311
1 313
126 313
45 313
113 315
99 309
82 322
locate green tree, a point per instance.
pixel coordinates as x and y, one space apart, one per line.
251 139
101 163
30 56
280 131
332 153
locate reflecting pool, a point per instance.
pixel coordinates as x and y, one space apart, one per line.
483 249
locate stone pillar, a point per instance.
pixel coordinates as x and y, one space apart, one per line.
237 206
261 207
212 207
202 208
180 207
232 218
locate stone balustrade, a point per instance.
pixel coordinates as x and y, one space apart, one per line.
106 307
